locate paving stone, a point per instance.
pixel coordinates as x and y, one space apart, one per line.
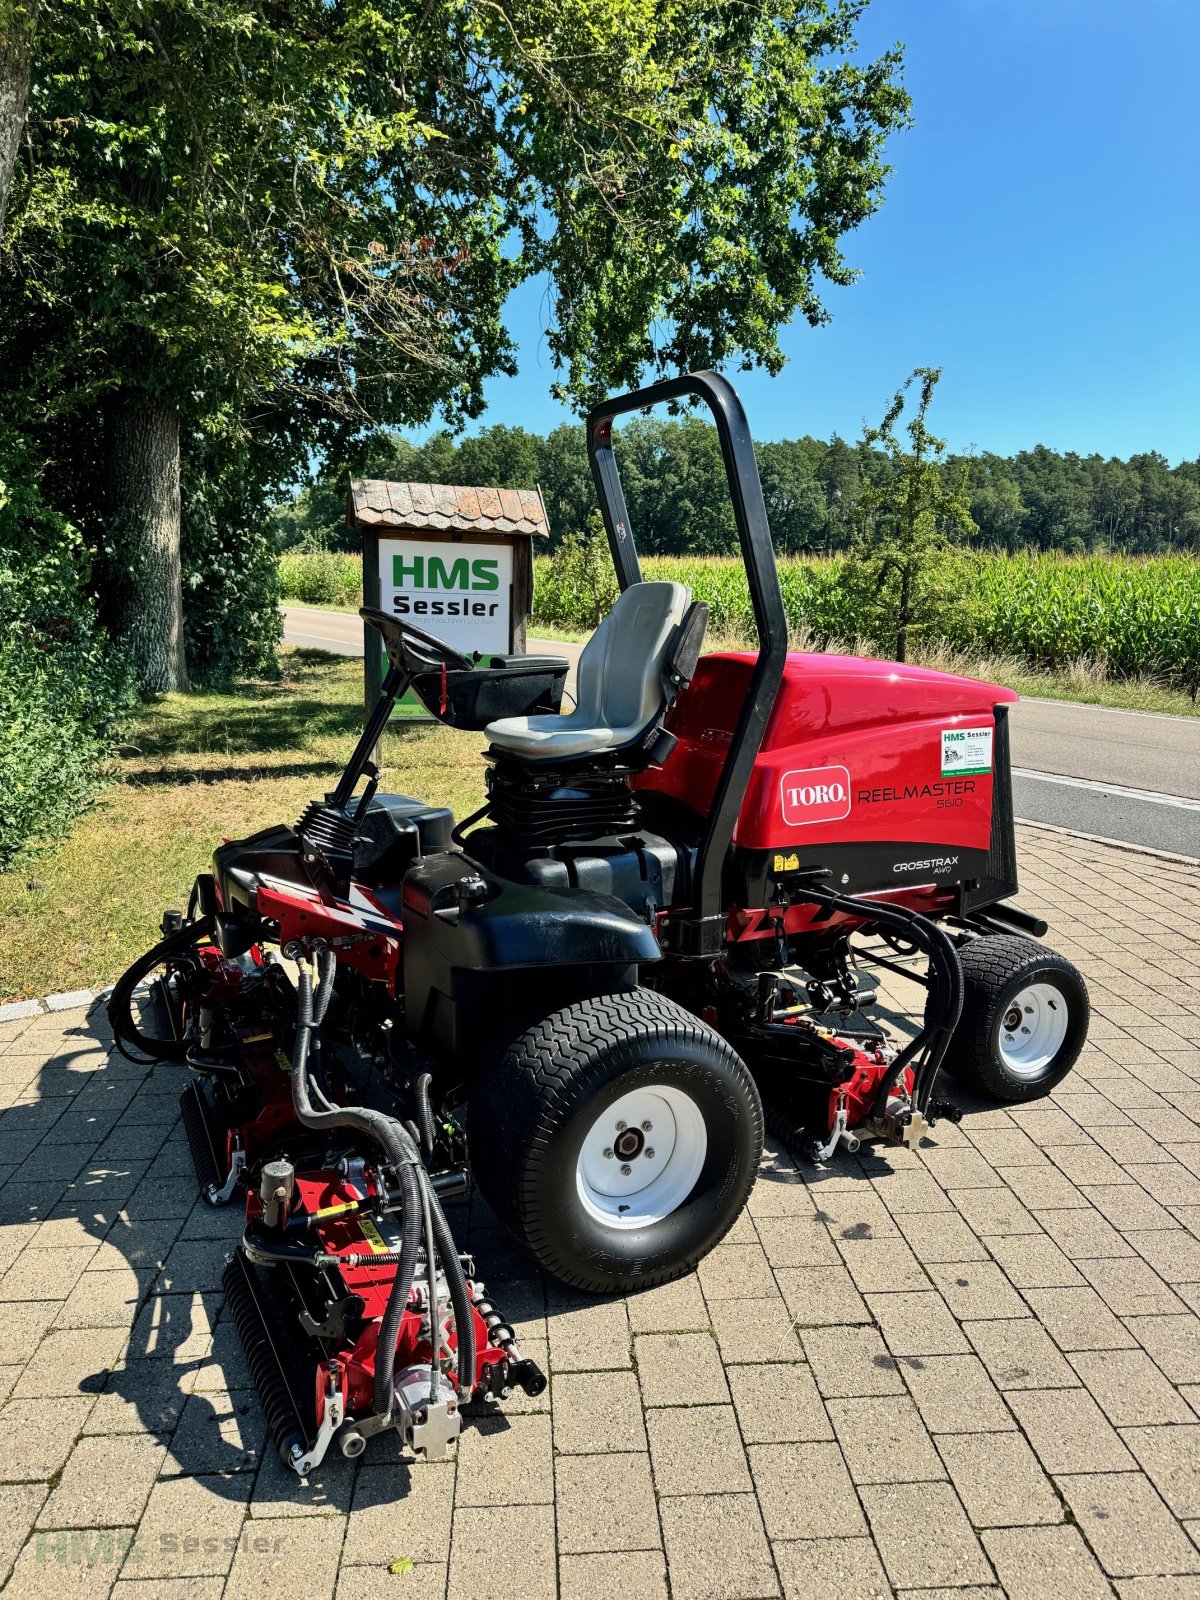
38 1437
85 1560
802 1241
1034 1261
697 1450
734 1271
781 1192
1126 1523
139 1397
819 1296
851 1361
717 1548
995 1211
1156 1588
279 1492
105 1483
917 1324
877 1264
941 1236
923 1535
68 1363
1173 1342
286 1553
633 1574
673 1308
884 1440
597 1411
1020 1354
905 1192
105 1299
1130 1388
817 1569
999 1480
19 1506
961 1169
175 1327
755 1330
977 1289
587 1335
1084 1235
191 1528
605 1503
1174 1253
1003 1147
1170 1458
218 1432
1129 1208
1043 1188
778 1403
505 1461
45 1274
1069 1431
858 1212
1045 1564
955 1395
1089 1163
805 1491
680 1369
404 1510
1078 1319
424 1580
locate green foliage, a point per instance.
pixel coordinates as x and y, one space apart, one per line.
578 581
898 575
316 577
63 688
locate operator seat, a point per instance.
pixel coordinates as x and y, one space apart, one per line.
625 680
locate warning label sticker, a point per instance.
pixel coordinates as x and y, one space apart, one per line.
966 751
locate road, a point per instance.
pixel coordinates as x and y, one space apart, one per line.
1129 776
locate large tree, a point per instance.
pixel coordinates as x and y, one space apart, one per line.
284 223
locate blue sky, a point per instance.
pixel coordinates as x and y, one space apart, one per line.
1039 240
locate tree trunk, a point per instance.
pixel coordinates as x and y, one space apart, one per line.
902 616
144 477
18 23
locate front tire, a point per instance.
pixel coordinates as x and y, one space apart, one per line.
1024 1018
618 1139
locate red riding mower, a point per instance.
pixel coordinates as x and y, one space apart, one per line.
583 994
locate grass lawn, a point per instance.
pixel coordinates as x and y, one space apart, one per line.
197 768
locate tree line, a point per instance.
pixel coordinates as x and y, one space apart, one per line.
818 491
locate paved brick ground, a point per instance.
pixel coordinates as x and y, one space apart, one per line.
974 1371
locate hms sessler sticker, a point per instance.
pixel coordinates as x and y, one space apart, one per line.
966 751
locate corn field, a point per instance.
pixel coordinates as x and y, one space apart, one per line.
1135 616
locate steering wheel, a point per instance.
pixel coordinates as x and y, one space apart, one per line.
410 650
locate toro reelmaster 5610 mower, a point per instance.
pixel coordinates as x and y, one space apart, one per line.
583 993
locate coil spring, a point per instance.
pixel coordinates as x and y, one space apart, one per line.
500 1334
284 1415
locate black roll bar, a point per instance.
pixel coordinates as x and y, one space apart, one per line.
703 937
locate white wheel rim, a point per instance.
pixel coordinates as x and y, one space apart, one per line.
1033 1026
641 1157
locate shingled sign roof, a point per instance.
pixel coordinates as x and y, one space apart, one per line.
446 508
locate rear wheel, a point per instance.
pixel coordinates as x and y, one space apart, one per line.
618 1139
1024 1018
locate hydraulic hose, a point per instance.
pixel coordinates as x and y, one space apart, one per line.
120 1001
456 1282
396 1146
425 1113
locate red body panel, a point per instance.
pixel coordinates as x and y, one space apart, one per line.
348 1235
852 753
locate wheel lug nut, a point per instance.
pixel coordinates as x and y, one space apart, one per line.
646 1127
625 1171
621 1126
608 1155
648 1152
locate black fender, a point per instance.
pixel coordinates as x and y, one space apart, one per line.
476 944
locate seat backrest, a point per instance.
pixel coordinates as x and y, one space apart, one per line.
620 674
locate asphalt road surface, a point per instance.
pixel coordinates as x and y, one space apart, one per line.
1131 776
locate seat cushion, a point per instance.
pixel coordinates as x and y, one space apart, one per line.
619 681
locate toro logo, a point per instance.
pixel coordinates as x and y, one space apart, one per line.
815 794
